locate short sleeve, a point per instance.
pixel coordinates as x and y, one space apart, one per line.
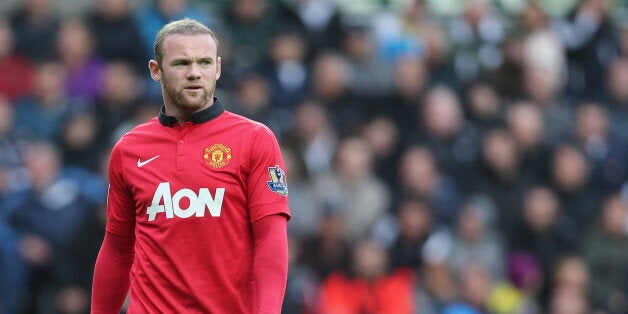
267 182
120 206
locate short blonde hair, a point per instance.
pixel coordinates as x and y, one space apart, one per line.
184 26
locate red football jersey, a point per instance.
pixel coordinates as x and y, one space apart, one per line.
189 194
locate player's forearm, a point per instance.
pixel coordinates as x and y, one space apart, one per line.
270 267
111 274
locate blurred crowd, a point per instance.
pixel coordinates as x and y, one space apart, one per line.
443 156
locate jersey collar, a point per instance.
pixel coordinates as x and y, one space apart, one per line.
199 117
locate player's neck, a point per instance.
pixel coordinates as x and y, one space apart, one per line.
182 113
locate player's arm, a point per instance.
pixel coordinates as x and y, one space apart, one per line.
111 274
269 213
270 264
115 258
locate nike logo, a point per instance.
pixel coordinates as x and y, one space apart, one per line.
141 163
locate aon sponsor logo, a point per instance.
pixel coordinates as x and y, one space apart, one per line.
165 202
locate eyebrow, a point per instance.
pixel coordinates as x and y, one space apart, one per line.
189 59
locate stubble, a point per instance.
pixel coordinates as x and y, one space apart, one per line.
180 101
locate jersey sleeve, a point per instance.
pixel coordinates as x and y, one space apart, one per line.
267 183
120 206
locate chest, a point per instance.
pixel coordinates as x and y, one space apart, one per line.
186 170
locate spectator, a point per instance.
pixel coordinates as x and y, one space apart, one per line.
484 107
415 226
519 293
569 301
13 273
573 272
353 189
545 94
287 69
42 113
508 79
382 135
116 34
500 177
121 91
320 20
253 99
528 127
438 57
410 79
327 251
79 143
618 97
17 71
144 110
605 250
331 86
303 203
313 137
570 178
75 46
439 285
421 178
476 35
591 43
371 74
475 240
606 152
36 24
401 30
447 134
302 286
543 232
74 274
250 25
475 285
617 81
9 143
56 193
544 69
542 51
570 286
369 286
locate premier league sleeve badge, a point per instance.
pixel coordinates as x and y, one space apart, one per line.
277 181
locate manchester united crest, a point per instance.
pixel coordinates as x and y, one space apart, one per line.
217 156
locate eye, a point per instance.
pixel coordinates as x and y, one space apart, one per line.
205 62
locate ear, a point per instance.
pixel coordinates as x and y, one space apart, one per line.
218 67
155 71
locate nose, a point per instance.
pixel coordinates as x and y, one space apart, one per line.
194 71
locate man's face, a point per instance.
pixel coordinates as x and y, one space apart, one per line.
188 72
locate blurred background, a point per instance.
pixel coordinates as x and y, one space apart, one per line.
443 156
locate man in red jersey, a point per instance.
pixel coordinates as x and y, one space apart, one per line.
197 206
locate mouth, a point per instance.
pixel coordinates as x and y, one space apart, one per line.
193 87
